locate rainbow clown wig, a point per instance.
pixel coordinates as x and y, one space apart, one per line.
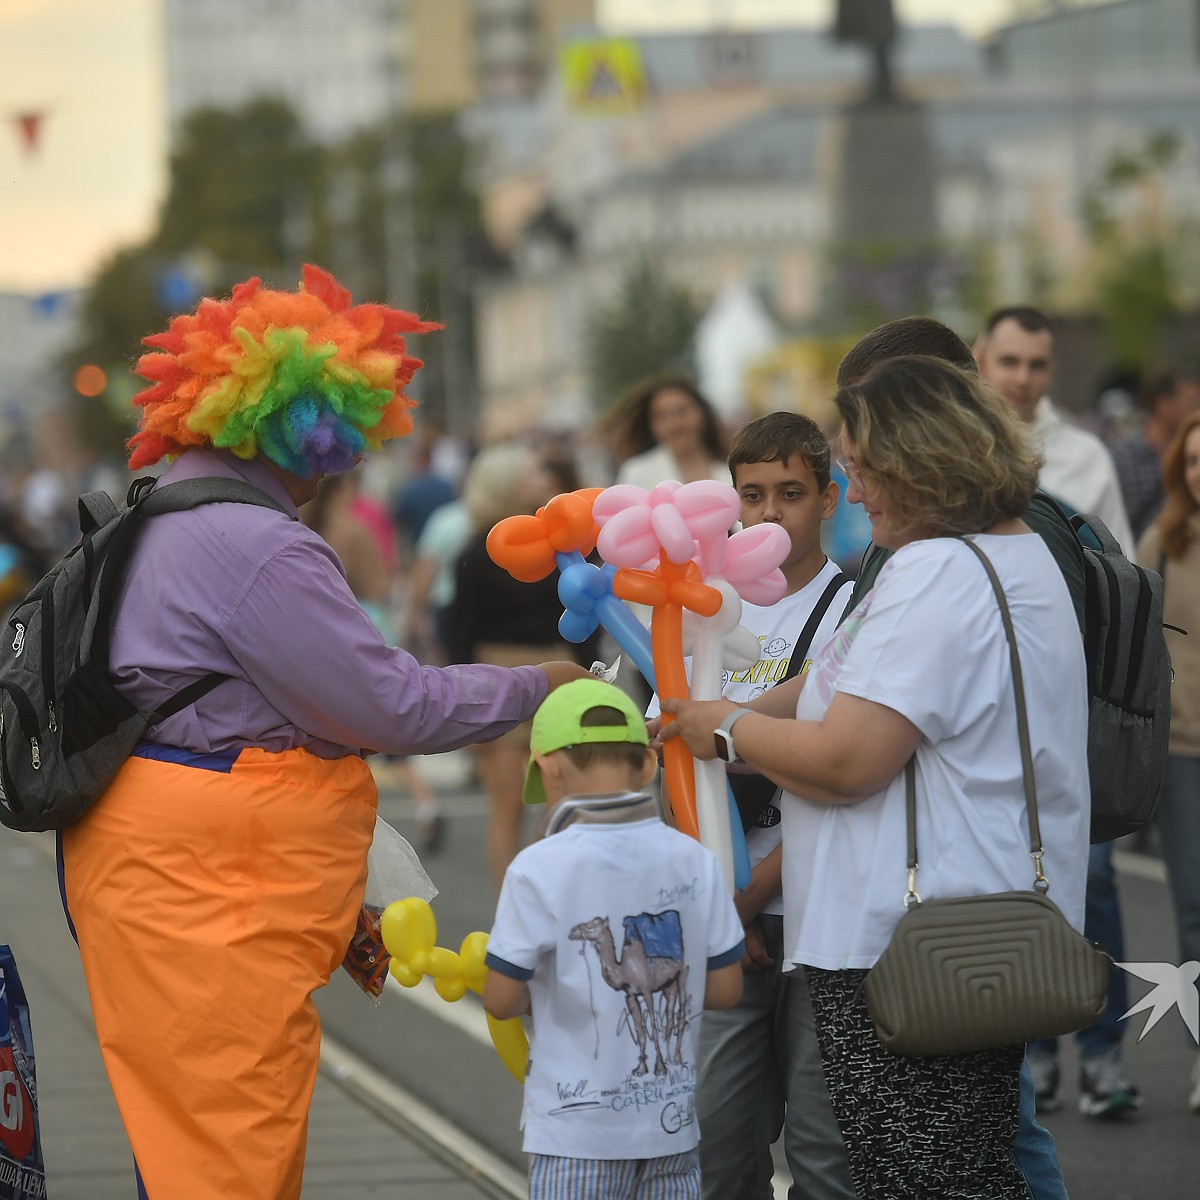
304 378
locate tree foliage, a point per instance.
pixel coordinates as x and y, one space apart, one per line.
1136 286
648 327
235 178
250 193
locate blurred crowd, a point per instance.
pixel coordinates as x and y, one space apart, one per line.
409 526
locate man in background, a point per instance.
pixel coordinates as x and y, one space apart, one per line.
1015 353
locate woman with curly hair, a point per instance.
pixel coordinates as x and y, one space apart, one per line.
217 882
1172 545
664 428
920 670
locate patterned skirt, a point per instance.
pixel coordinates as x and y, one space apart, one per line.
916 1128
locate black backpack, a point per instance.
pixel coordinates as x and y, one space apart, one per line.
65 730
1129 684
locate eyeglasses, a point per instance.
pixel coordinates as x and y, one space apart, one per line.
850 471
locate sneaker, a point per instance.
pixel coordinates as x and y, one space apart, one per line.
1105 1089
1044 1069
1194 1098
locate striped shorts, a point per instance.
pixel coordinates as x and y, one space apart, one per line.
671 1177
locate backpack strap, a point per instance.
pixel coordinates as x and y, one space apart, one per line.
190 493
95 509
804 641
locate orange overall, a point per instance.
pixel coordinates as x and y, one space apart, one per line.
209 904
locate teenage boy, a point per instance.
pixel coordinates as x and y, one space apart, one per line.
760 1069
609 1107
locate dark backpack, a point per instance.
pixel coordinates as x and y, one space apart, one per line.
1129 684
65 730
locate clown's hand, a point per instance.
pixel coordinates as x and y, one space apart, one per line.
695 721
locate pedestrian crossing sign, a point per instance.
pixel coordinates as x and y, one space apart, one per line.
603 77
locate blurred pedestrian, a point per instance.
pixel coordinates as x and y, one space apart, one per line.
355 535
1015 352
664 428
1166 398
495 619
1172 545
421 495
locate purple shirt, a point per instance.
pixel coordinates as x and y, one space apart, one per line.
243 590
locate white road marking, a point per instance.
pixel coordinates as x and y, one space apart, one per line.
389 1099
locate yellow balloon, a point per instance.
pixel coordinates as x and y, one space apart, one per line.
444 964
511 1044
404 974
409 931
408 926
472 953
450 989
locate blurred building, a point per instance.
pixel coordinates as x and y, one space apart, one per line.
720 170
724 172
1131 38
343 66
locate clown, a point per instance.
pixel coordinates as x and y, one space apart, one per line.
216 883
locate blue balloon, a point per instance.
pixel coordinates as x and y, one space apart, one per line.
587 595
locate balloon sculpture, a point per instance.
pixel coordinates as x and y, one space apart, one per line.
410 932
669 549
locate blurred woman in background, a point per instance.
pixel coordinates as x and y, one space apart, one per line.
1172 546
663 428
504 622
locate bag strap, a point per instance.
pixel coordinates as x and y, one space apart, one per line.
1040 883
804 641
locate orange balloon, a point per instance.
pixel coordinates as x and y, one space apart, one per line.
666 643
519 545
568 523
525 546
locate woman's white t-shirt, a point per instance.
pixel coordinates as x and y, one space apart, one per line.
928 642
652 467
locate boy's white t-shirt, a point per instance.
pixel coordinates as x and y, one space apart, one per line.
928 642
669 919
777 627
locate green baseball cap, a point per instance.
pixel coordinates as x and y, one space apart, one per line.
557 724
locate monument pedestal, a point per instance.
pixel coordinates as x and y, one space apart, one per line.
885 217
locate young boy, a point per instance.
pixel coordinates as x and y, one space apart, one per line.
614 931
760 1069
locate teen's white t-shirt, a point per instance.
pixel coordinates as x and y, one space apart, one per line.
778 626
590 911
928 642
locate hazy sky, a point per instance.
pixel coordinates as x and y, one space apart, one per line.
93 67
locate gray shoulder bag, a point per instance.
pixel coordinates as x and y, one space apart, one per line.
978 972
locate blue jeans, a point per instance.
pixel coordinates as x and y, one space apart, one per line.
1101 924
759 1072
1034 1148
1179 830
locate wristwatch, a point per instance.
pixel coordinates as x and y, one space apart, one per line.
723 735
